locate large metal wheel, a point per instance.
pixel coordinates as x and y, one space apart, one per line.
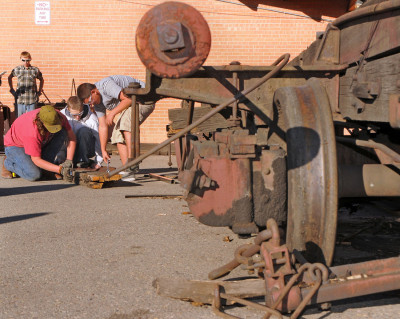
312 170
173 40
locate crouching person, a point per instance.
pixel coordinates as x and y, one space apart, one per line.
36 142
85 125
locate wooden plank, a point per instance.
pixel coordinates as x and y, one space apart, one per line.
203 291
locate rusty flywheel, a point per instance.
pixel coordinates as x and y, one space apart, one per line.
173 40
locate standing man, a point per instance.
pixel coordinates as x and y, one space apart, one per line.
107 94
27 93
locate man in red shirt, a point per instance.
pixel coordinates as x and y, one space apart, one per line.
35 142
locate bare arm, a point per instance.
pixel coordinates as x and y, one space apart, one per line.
10 82
103 134
41 83
123 105
71 145
39 162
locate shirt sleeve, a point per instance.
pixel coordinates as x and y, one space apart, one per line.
100 110
112 89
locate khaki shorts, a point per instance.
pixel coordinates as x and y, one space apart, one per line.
123 123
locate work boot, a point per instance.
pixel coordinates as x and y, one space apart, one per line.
4 172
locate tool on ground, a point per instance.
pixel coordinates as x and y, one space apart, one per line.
108 167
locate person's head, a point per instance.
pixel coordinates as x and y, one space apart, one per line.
89 94
75 107
49 118
26 58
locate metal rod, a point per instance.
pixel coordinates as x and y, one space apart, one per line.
137 129
279 64
371 144
135 138
356 287
155 196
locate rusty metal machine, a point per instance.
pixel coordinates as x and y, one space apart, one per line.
282 142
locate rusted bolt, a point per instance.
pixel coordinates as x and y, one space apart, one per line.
267 171
170 35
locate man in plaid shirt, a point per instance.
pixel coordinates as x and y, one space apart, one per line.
27 94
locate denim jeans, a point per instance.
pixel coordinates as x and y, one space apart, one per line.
21 164
24 108
85 142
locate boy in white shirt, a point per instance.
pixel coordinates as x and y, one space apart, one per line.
85 125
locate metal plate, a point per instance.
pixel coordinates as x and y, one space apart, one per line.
312 170
173 40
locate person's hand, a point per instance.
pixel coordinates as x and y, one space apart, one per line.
66 171
110 118
105 155
68 163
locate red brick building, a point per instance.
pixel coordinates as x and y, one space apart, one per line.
86 40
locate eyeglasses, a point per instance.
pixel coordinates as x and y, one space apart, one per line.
23 60
76 114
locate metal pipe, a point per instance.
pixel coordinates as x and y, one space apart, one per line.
369 180
137 128
372 267
283 60
134 119
355 287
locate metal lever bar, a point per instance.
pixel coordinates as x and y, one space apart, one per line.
279 64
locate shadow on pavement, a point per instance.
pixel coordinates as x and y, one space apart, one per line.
9 191
17 218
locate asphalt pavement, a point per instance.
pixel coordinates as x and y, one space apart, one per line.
69 251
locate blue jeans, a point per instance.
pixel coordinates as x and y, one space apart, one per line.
21 164
24 108
85 142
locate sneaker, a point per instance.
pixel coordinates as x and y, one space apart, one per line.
6 173
127 176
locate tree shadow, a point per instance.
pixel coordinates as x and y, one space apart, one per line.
17 218
10 191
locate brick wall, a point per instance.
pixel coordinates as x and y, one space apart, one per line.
90 39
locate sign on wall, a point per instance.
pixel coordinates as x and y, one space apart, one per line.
42 12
